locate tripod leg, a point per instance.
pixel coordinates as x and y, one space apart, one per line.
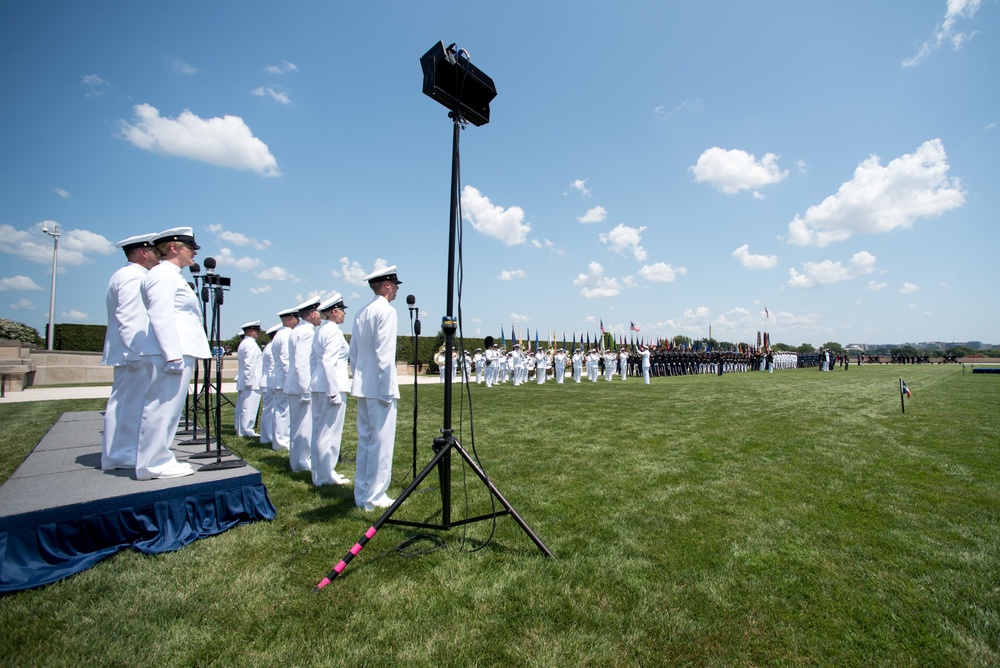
372 530
506 504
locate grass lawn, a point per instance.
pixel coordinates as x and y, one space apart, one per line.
794 518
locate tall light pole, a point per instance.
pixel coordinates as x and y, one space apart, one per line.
54 233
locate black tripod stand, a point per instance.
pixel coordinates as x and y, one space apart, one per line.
446 443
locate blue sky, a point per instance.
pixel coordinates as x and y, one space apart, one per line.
678 166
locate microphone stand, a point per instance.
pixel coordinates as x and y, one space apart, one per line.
415 330
220 451
446 443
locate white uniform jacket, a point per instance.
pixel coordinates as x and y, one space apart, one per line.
266 366
328 362
127 319
175 327
279 353
249 363
373 351
297 380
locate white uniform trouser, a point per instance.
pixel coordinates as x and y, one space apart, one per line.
577 372
541 373
609 370
376 441
123 415
480 373
593 372
162 406
645 375
267 418
300 428
491 373
282 430
327 428
247 403
560 373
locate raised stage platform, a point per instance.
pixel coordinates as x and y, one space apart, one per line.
61 514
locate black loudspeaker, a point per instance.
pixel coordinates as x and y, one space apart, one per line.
456 83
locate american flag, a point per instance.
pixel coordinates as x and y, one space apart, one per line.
602 325
633 326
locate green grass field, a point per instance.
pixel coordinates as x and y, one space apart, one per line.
796 518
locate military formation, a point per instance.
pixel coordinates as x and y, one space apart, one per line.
495 365
157 334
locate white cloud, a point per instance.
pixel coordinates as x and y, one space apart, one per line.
595 215
94 84
182 67
875 286
507 225
518 318
273 93
225 258
595 284
946 32
750 261
62 193
354 273
882 199
696 319
237 238
516 274
284 68
735 170
276 274
23 304
18 283
909 288
75 246
75 314
690 106
581 186
623 238
261 290
223 142
661 272
815 274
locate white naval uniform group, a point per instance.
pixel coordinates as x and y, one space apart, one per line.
249 363
372 353
127 324
175 332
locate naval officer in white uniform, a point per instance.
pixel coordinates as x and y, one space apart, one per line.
330 385
249 362
373 361
279 351
175 340
127 323
267 394
297 385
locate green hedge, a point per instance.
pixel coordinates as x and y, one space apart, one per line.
85 338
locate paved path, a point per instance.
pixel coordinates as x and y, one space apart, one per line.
102 391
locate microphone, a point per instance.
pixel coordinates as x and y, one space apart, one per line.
210 264
411 304
191 285
195 269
